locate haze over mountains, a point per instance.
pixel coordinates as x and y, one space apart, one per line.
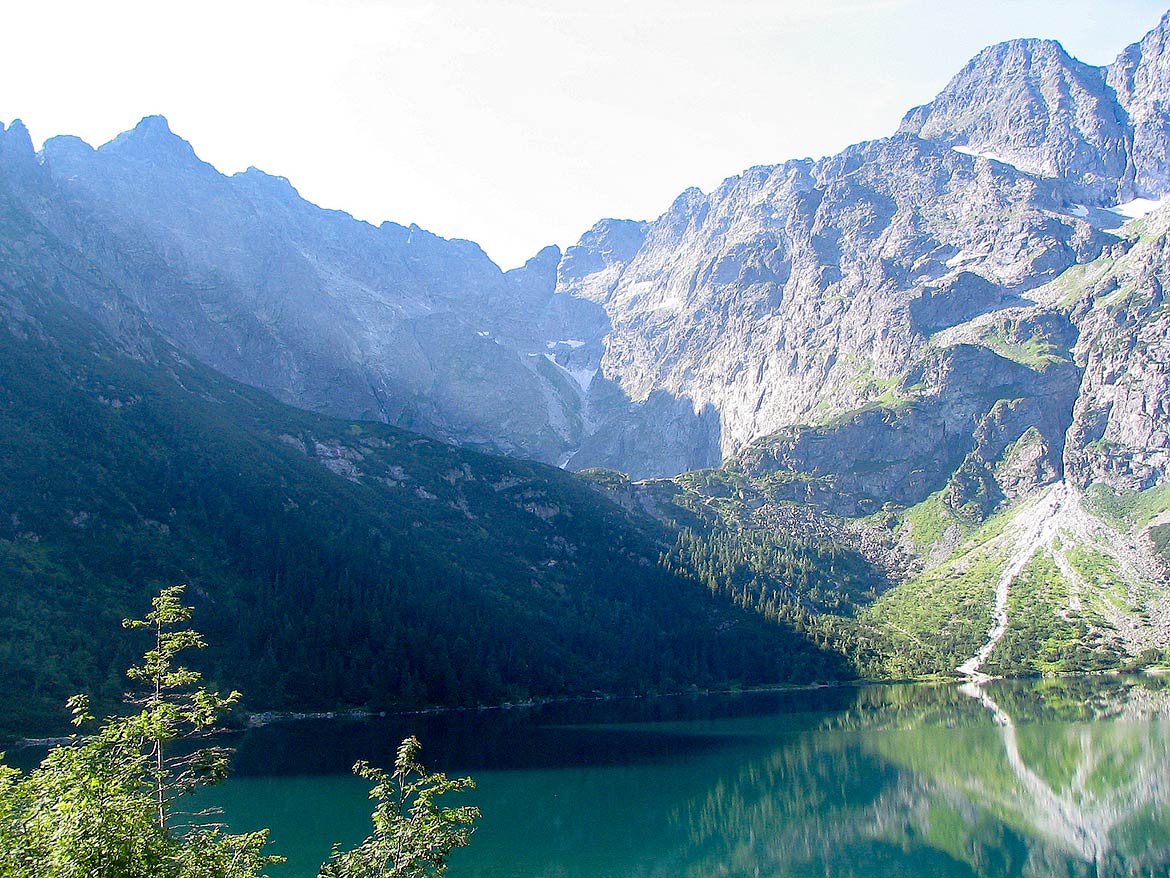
964 314
791 294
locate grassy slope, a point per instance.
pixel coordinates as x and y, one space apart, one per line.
940 617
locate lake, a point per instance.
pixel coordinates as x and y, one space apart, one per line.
1058 777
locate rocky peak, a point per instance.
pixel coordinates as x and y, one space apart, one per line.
591 265
1140 77
68 146
152 141
525 294
548 258
539 272
1142 66
270 184
1030 104
16 149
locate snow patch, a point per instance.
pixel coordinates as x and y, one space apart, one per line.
583 377
992 156
1137 208
674 303
483 333
571 342
1079 210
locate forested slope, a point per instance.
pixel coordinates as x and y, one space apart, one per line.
331 562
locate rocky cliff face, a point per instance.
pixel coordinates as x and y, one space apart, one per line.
796 295
330 314
1029 104
985 427
389 323
1140 77
867 323
1102 131
1121 418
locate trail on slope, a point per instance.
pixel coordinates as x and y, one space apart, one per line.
1038 526
1054 521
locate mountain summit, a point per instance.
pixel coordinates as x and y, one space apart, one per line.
1029 104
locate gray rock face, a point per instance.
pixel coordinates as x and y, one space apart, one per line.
1102 131
331 314
17 160
592 265
869 326
1029 104
800 292
1121 429
805 302
969 420
386 323
1141 79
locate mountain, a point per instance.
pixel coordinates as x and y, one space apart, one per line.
1029 104
950 342
906 404
799 294
333 315
331 562
803 293
790 296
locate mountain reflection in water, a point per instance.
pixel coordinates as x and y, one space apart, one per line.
1063 777
1058 778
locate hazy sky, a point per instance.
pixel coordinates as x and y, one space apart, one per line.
515 123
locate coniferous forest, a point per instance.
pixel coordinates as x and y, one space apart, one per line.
334 564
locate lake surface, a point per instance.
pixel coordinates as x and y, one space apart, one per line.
1063 777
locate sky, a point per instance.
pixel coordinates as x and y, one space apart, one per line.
513 123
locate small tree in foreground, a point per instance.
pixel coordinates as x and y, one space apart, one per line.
102 806
413 836
173 706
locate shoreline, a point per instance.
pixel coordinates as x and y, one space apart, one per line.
261 718
268 717
242 722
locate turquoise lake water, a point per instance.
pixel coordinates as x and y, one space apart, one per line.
1043 778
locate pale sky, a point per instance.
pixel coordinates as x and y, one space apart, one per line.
514 123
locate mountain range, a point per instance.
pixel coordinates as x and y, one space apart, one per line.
907 404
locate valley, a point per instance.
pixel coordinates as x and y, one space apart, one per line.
898 412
